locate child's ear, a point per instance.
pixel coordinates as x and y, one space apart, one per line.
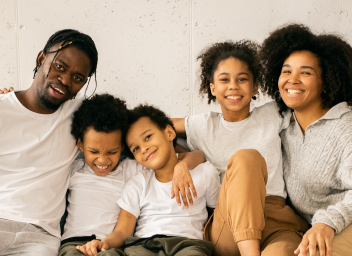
80 144
170 133
212 89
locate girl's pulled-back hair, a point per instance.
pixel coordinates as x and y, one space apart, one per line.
333 53
80 40
245 50
155 115
103 113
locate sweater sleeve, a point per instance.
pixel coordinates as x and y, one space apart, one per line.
339 215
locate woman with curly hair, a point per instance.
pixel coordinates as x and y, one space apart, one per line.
251 217
311 76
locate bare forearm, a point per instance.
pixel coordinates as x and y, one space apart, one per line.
192 159
115 239
179 124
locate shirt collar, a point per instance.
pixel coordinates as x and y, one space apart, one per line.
337 111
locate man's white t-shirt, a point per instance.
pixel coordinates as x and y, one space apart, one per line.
219 140
92 207
36 152
149 201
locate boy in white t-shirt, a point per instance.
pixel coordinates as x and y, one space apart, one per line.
96 183
99 127
162 225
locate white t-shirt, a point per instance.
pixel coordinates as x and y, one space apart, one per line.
36 152
92 207
149 201
219 140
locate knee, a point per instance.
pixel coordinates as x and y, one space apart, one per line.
247 156
249 161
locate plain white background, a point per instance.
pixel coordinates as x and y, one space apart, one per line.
148 48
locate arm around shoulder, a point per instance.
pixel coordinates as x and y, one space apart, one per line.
179 124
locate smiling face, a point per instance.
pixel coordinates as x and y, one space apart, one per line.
233 88
68 74
101 150
151 146
300 82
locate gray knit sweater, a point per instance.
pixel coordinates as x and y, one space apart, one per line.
318 168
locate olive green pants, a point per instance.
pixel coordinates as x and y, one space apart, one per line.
154 246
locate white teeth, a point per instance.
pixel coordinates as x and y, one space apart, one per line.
102 167
57 89
294 91
233 97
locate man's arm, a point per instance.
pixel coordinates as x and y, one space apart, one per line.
123 229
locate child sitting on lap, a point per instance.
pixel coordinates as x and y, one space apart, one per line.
162 225
99 127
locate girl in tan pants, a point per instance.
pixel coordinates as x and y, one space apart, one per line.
243 212
251 217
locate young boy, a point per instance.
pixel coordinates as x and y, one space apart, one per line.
99 127
162 225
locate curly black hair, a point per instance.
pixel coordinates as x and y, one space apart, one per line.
102 112
244 50
333 53
155 115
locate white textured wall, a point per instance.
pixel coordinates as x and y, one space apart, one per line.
147 48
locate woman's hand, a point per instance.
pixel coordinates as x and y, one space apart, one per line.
182 183
93 247
5 90
320 235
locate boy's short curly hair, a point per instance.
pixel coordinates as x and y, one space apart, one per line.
158 117
244 50
333 53
102 112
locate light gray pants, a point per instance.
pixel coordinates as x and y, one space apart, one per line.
19 238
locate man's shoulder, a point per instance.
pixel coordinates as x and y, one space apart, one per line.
71 106
8 98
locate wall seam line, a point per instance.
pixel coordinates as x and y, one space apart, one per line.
19 84
190 58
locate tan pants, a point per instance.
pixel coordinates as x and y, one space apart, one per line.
341 244
244 212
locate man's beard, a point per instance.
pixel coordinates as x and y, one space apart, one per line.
48 104
45 102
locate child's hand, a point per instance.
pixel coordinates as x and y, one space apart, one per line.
93 247
5 90
181 183
320 235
